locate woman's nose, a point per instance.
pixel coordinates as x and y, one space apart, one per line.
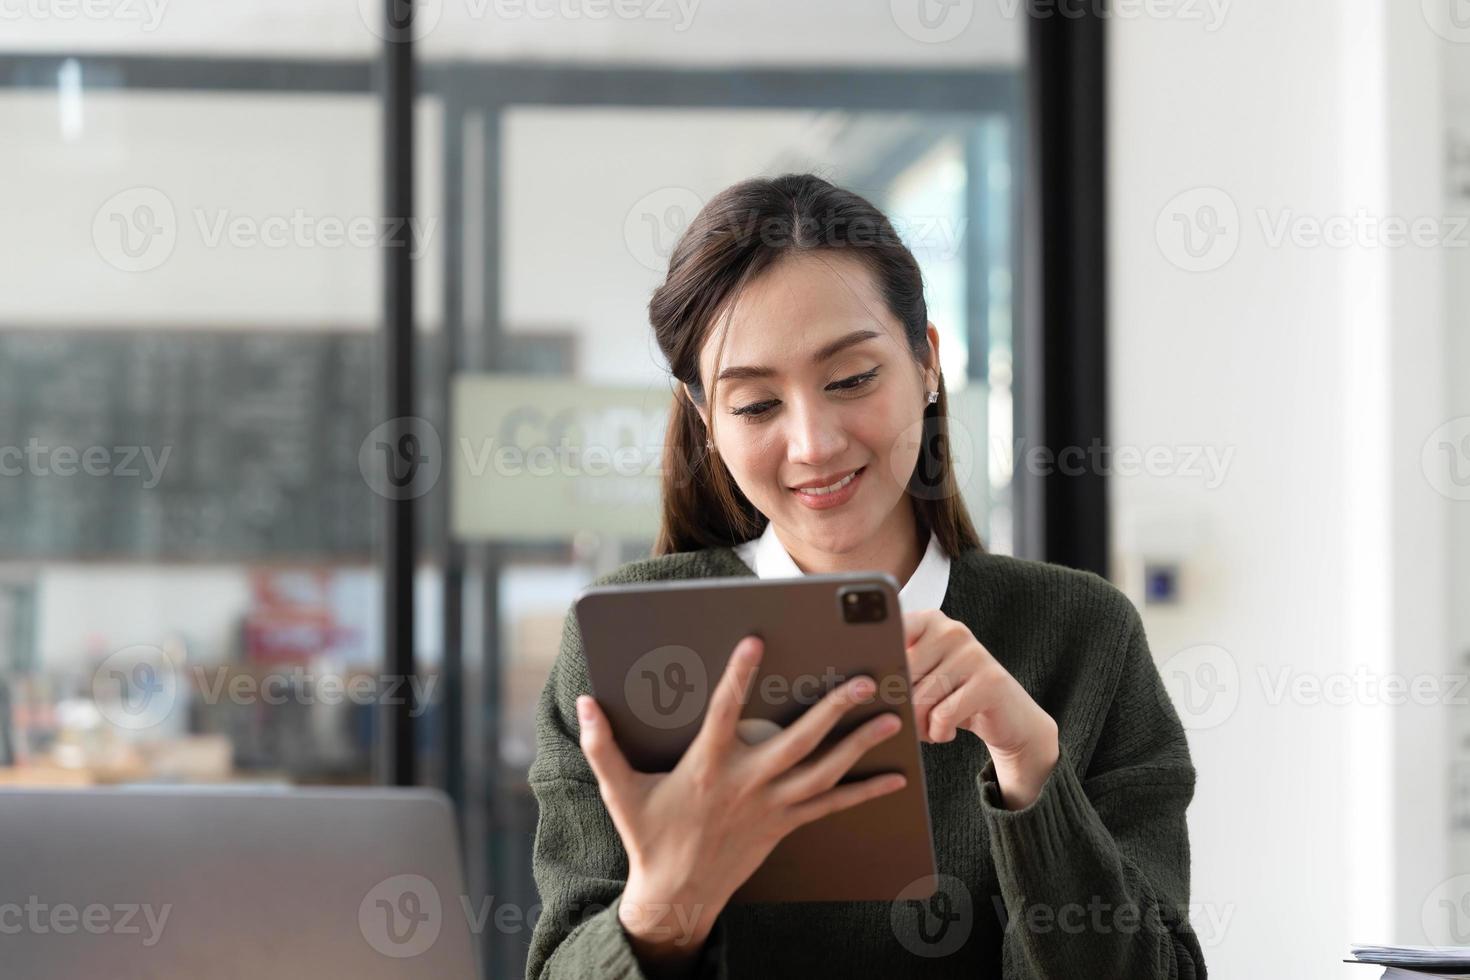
814 434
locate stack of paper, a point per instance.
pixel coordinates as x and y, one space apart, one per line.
1416 962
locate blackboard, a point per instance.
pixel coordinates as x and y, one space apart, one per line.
261 430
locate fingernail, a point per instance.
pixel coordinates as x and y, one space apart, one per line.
890 724
863 686
584 708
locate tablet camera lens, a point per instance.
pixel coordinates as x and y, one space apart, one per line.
864 606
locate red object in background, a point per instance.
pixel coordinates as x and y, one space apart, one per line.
290 618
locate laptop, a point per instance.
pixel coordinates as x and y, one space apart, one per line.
226 883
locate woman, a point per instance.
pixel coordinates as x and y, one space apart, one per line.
1056 768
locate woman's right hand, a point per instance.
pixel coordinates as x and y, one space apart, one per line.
695 834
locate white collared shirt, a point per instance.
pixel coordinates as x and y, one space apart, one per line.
925 589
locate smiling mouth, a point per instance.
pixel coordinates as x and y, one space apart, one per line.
833 488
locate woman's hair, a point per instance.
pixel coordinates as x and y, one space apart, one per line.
744 230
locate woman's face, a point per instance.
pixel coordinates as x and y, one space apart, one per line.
815 384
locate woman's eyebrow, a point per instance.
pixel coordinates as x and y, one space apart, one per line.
835 347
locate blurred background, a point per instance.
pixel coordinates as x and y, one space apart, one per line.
1199 267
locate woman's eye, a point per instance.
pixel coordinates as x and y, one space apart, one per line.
755 411
856 381
752 411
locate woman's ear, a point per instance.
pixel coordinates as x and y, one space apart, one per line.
688 396
933 365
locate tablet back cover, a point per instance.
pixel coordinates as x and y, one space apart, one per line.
655 653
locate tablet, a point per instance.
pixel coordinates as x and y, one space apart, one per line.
655 652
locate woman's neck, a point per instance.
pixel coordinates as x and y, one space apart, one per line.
897 549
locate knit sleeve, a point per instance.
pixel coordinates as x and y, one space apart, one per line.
578 860
1094 873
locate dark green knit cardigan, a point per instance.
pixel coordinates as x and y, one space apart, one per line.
1090 881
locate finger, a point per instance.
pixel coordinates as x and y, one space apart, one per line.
923 644
731 693
955 710
944 679
927 692
845 797
821 774
917 624
797 742
611 768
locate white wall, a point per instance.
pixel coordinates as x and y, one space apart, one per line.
1414 334
296 175
691 32
1455 68
1320 367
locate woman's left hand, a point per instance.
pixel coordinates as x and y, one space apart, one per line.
955 683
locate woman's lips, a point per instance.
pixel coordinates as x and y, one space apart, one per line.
825 501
